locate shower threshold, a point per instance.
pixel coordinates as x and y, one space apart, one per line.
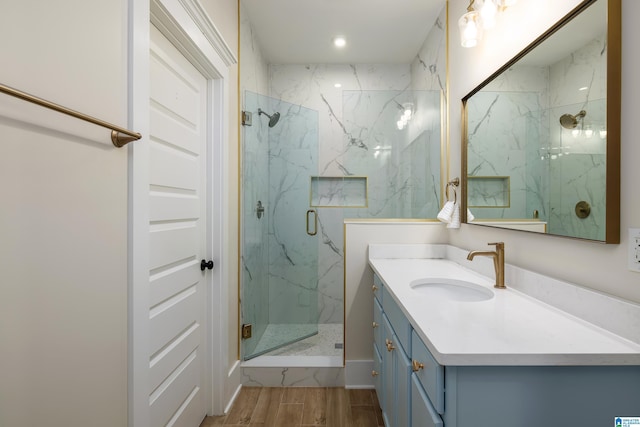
324 349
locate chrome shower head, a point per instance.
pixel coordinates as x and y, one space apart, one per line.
273 118
569 121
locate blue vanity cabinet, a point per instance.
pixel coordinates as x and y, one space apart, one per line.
415 391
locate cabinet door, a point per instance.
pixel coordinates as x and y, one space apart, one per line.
388 377
403 381
378 326
378 369
422 412
396 381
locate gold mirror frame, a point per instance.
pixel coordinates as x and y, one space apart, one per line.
613 110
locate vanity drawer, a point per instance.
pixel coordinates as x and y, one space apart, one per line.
378 327
377 288
422 412
429 372
399 322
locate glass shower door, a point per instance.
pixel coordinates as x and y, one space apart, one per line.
279 254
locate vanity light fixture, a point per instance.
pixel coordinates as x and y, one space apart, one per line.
588 132
470 27
478 18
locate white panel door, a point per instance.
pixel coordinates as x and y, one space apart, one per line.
177 237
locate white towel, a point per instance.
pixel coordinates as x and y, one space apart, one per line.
446 213
470 216
455 218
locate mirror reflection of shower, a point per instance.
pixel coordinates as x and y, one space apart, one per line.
273 118
569 121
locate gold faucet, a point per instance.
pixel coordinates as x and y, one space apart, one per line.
498 262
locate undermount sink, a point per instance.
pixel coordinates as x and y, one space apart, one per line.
451 289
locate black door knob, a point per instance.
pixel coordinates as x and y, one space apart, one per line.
206 264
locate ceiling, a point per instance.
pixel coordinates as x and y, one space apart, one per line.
377 31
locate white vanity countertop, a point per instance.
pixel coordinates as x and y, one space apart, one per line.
509 329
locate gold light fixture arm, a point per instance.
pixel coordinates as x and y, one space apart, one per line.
116 138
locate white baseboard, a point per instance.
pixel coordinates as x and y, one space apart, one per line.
233 386
358 374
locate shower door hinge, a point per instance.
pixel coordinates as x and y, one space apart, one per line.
246 331
247 118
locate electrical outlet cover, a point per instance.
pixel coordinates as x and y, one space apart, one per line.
634 249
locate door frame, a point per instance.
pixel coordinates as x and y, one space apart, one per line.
188 27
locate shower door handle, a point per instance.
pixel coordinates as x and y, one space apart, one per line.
315 222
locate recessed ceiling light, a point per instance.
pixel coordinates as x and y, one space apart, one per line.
339 41
584 88
337 85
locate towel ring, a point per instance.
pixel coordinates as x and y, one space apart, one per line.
453 184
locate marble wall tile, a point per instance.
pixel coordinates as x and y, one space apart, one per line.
293 377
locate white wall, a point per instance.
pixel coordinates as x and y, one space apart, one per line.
593 265
359 276
63 216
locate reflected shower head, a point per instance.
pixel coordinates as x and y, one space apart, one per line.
273 118
569 121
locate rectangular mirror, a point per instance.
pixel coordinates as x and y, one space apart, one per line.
541 136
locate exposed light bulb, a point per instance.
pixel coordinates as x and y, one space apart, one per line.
488 13
603 133
575 133
400 124
470 28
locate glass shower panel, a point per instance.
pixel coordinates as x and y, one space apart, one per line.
280 257
579 168
255 262
396 143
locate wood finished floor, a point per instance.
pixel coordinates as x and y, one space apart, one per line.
298 406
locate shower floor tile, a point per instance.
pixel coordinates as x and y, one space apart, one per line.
322 344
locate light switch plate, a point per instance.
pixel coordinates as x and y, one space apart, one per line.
634 249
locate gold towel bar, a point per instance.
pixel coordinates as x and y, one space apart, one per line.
117 139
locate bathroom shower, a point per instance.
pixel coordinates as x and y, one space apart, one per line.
569 121
273 118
